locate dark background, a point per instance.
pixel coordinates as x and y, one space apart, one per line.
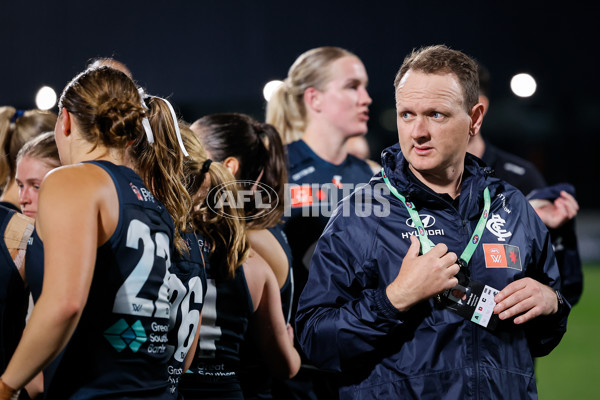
214 56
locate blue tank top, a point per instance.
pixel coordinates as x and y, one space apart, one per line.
119 348
14 297
187 286
227 310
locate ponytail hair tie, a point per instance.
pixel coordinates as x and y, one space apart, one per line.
18 114
205 166
145 121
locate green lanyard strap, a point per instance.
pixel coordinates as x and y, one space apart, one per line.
426 243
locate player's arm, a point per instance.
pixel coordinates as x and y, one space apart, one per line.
71 225
192 351
265 244
276 342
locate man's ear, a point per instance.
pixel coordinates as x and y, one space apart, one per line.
312 99
477 113
232 164
483 99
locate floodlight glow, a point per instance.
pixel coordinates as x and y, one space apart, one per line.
45 98
523 85
270 88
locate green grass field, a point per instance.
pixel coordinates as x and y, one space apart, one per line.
571 370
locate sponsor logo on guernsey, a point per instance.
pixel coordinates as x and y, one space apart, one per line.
142 194
188 244
337 181
309 194
514 168
496 226
136 191
301 196
302 173
502 256
122 335
204 245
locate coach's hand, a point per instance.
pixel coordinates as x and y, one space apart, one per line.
527 297
422 276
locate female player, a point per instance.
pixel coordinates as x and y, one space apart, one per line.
15 230
107 244
187 276
237 294
254 154
323 102
16 128
36 158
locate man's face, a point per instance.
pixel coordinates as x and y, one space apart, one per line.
433 125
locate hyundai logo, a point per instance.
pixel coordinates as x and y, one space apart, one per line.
427 220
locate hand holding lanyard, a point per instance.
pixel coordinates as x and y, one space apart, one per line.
475 298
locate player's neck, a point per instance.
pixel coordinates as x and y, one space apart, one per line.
100 153
329 147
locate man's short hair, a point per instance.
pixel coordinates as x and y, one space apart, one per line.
440 59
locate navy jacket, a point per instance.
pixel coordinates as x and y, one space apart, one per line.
345 321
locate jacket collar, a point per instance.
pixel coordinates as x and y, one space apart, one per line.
475 178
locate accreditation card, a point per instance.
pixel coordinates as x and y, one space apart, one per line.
474 303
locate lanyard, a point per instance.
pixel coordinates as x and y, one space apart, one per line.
426 243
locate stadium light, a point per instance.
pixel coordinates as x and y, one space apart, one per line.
523 85
45 98
270 88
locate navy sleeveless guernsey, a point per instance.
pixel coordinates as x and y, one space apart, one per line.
255 376
187 285
214 373
119 348
14 297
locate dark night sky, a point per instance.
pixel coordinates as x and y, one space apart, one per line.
213 56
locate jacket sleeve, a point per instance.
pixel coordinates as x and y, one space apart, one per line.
545 332
343 311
